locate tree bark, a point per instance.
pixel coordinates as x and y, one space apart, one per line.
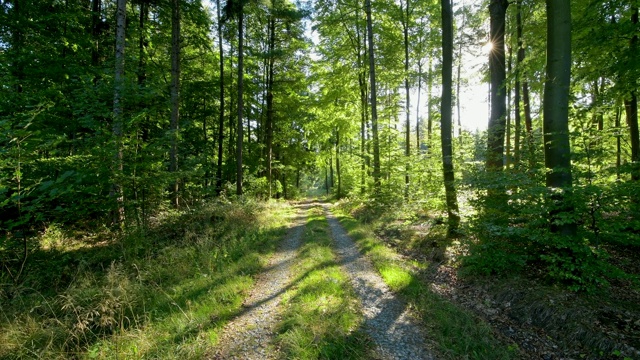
631 106
556 115
269 124
117 127
175 96
446 120
338 172
96 9
221 112
239 134
496 128
374 102
407 150
519 62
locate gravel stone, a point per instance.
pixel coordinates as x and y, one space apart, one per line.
395 332
250 335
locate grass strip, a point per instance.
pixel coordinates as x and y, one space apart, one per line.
170 303
457 333
321 317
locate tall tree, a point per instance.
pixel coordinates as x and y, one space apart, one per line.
496 128
446 120
221 100
175 96
374 101
631 103
117 128
239 134
556 115
406 18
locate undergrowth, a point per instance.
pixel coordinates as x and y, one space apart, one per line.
164 293
321 318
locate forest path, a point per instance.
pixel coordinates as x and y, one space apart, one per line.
396 333
250 335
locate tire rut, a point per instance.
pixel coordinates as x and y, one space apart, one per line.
250 335
395 332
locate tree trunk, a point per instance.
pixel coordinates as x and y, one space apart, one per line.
631 106
362 83
496 128
338 163
446 120
429 98
239 134
407 149
221 111
175 96
618 141
96 9
117 128
556 115
269 144
519 61
631 111
418 108
374 103
508 91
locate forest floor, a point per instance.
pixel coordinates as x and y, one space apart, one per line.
308 280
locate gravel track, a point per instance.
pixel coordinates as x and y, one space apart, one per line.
395 332
250 335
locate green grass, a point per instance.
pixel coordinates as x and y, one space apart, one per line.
165 294
457 333
321 318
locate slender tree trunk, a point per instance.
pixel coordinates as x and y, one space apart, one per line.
407 149
631 111
239 134
458 76
143 42
331 182
374 102
556 115
338 163
221 111
96 10
362 84
508 91
519 60
631 105
429 98
418 108
175 96
272 37
618 141
496 128
446 120
117 129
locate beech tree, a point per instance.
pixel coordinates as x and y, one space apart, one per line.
447 118
556 115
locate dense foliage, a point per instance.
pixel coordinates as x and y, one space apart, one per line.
79 143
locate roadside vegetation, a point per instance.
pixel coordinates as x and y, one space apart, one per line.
161 293
456 332
513 315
